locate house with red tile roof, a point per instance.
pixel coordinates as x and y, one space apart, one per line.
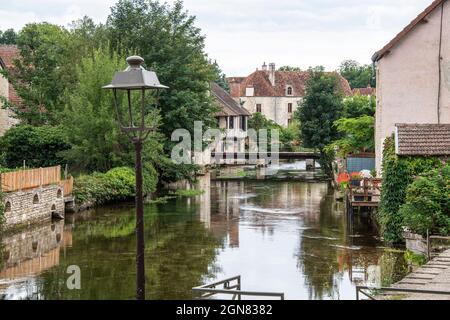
274 93
368 91
413 83
7 55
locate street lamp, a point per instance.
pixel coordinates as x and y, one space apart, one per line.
135 79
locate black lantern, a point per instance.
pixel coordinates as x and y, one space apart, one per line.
136 78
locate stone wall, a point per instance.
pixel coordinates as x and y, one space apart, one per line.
31 206
6 119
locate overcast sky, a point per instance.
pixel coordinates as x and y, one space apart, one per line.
241 35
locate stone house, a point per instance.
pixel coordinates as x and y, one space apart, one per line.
413 76
275 94
7 55
232 119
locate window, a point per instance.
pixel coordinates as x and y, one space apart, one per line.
231 123
289 91
249 92
59 194
8 206
243 123
35 199
289 107
258 108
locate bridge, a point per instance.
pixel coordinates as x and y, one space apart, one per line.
267 155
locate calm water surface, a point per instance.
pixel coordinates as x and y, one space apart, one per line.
280 236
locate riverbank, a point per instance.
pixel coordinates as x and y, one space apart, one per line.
433 276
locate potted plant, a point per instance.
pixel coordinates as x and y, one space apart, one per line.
356 179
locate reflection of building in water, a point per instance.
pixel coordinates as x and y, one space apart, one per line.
32 251
204 184
226 198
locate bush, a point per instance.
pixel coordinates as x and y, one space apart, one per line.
38 146
427 205
398 174
117 184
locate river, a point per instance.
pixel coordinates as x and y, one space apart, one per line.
280 235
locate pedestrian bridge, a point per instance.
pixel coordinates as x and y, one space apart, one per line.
267 155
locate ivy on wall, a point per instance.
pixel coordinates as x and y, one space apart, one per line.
398 174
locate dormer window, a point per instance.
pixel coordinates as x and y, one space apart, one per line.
289 91
249 92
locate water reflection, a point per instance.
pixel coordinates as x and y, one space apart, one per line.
281 236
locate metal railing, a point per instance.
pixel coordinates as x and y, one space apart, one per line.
360 290
232 286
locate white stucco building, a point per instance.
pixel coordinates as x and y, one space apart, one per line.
413 75
275 94
7 54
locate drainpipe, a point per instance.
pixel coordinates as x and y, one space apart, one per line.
440 65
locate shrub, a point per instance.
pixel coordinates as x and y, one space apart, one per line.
38 146
427 205
398 174
118 184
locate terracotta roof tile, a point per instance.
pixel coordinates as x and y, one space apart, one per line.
259 80
8 53
369 91
423 139
229 106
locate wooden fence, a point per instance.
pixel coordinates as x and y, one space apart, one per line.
68 186
29 179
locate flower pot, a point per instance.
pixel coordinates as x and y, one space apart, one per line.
356 183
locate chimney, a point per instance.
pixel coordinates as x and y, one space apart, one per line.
272 74
264 67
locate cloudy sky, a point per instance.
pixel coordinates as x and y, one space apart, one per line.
241 35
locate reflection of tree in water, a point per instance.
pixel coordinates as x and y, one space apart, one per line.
179 253
318 257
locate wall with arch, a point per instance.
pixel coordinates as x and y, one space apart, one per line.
26 207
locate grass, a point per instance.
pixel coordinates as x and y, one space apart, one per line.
162 200
188 193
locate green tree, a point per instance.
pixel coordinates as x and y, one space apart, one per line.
167 38
358 106
358 135
90 122
8 37
289 68
358 76
427 203
321 106
221 78
38 146
39 76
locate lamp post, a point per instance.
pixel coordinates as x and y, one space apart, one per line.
135 79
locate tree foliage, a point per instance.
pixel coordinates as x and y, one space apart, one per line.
289 68
37 146
90 123
357 106
8 36
427 203
167 38
357 75
358 135
398 174
321 106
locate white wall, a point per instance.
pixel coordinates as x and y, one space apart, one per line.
408 80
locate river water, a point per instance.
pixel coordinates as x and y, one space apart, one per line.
278 235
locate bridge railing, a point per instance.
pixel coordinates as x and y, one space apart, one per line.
232 286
